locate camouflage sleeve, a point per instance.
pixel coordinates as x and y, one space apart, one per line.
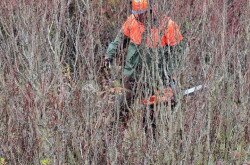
113 46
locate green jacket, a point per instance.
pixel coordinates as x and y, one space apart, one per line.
132 58
139 56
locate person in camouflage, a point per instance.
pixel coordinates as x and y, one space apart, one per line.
151 38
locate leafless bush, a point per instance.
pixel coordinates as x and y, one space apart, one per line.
55 108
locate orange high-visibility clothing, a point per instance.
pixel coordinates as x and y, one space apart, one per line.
133 29
171 34
139 6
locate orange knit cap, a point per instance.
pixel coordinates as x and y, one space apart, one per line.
139 6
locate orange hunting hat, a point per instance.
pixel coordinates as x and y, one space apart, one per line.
139 6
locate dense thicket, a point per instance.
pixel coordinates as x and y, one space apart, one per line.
56 108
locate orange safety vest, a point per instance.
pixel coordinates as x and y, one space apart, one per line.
171 35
